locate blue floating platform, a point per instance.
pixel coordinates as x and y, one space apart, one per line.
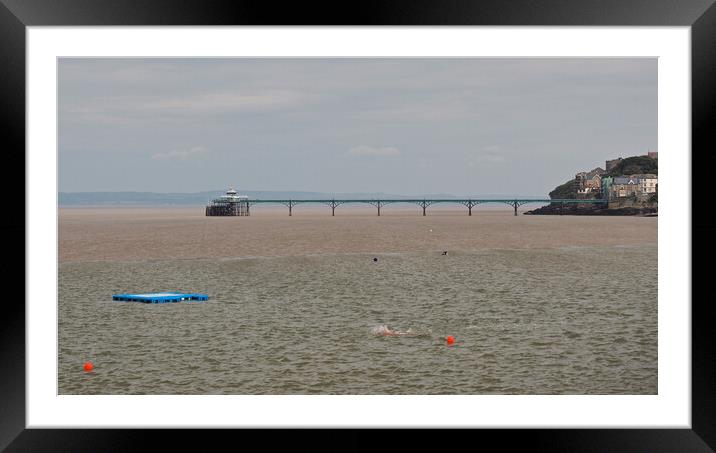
159 298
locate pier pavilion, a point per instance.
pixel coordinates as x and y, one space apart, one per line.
229 204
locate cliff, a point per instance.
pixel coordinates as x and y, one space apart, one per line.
628 166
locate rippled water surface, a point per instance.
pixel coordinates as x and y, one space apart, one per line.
575 320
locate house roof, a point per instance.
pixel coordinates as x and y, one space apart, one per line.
624 180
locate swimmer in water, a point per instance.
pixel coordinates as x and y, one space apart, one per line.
392 333
385 331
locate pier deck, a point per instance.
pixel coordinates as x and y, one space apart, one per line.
469 203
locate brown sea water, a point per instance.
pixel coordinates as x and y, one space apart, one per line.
537 305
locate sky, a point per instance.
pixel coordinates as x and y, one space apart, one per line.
460 126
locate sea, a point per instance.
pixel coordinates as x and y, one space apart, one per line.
556 319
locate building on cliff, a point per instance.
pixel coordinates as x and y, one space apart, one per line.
636 186
589 181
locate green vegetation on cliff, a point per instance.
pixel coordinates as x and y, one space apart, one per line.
635 165
565 191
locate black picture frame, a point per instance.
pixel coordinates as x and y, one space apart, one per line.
700 15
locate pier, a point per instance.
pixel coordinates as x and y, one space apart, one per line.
424 203
233 204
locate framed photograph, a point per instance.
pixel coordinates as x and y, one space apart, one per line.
416 217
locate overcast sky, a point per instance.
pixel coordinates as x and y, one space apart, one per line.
402 126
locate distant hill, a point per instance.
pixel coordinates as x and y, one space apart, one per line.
201 198
132 198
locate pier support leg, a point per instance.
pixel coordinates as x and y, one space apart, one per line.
515 208
469 210
333 204
289 210
378 210
423 204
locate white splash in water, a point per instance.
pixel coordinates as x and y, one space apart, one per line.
385 331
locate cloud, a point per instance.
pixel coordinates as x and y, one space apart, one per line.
195 152
364 150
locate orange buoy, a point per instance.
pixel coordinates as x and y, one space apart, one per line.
88 366
450 339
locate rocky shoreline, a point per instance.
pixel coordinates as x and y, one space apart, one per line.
594 210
